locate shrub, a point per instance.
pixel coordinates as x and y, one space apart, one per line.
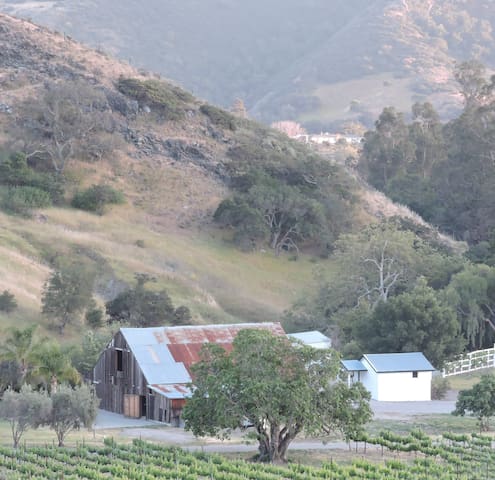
169 100
21 200
96 198
219 117
94 318
7 302
439 387
182 316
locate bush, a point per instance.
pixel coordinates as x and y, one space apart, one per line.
7 302
96 198
439 387
219 117
21 200
169 100
94 318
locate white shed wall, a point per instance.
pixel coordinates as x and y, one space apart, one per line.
397 386
369 379
403 387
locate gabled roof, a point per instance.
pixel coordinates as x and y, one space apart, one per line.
165 354
311 338
398 362
353 365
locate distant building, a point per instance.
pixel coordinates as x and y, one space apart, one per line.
145 371
328 138
392 377
313 338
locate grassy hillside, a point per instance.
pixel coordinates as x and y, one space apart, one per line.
287 60
173 175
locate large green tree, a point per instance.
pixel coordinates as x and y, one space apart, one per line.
472 293
387 150
279 388
413 321
140 306
67 293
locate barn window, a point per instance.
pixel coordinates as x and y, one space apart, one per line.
120 362
415 374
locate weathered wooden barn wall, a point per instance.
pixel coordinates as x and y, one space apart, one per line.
117 373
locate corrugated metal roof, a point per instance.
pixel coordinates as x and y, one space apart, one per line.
353 365
311 337
165 354
398 362
171 391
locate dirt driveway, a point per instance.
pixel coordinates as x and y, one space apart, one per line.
155 431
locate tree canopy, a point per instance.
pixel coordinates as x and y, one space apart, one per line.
443 171
412 321
279 388
478 400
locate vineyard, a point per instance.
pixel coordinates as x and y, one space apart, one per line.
417 457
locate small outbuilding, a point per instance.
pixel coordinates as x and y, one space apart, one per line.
392 377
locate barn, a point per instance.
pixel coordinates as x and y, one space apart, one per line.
145 371
314 339
392 377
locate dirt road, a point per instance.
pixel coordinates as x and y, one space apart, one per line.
155 431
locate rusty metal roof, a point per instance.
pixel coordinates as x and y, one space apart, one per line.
175 391
165 354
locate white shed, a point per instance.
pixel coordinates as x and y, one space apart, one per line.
393 377
313 339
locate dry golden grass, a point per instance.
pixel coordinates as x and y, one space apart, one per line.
196 266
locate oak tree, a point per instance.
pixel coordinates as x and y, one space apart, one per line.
280 388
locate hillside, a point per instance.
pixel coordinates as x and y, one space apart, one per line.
320 63
173 175
175 159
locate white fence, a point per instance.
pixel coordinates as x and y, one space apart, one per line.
469 362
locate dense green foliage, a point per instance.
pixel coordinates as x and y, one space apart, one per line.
459 457
96 198
285 196
281 389
409 322
219 117
479 401
445 172
141 307
67 293
169 101
387 293
8 302
22 188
